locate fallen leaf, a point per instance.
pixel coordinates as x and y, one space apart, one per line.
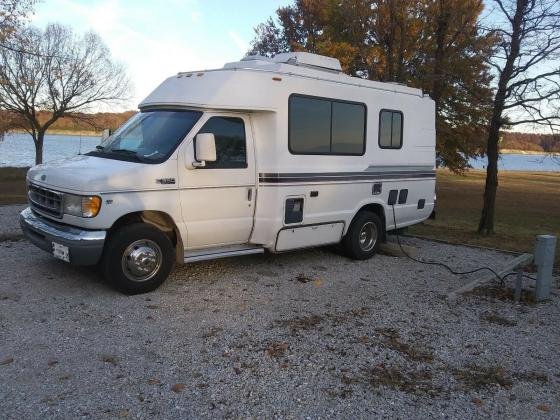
178 388
154 381
543 407
7 361
277 349
318 283
477 402
107 358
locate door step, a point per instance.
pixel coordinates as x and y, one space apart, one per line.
221 252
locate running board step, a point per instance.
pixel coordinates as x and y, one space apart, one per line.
222 252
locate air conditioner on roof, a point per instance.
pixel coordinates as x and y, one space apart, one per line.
309 60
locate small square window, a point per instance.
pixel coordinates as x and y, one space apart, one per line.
390 129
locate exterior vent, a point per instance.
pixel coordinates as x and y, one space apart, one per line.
255 58
309 60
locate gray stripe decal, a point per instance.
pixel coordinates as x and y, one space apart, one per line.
277 178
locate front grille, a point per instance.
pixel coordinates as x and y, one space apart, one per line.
45 201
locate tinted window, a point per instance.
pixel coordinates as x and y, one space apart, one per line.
230 142
310 125
390 129
348 124
325 126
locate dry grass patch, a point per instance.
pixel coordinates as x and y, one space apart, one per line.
392 340
494 318
481 377
503 293
518 219
412 382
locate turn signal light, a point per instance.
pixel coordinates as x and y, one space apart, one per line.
91 206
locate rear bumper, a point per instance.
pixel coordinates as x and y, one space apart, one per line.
85 246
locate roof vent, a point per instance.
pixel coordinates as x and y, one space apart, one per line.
305 59
255 58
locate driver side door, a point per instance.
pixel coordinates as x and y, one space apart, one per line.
218 200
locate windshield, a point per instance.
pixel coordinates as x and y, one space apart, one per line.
149 136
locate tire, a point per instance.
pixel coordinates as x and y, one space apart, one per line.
137 258
363 237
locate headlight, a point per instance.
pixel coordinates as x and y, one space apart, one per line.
82 206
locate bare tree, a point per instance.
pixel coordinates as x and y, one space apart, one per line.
54 70
13 14
528 79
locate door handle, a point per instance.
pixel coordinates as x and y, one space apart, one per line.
249 194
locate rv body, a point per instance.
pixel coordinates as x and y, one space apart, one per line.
294 152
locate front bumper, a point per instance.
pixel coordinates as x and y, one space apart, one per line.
85 246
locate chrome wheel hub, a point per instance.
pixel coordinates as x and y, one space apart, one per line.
367 237
141 260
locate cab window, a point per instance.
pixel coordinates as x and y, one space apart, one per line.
231 149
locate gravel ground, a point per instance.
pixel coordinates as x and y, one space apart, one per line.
9 222
304 334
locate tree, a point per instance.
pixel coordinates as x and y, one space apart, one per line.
12 14
528 79
435 45
54 70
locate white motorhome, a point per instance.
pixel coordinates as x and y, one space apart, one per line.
264 154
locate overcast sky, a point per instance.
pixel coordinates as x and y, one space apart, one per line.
156 39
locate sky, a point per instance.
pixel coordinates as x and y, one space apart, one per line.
157 39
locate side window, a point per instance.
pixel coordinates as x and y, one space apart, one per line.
310 125
319 126
231 150
348 128
390 129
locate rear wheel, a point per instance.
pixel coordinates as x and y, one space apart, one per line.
138 258
364 236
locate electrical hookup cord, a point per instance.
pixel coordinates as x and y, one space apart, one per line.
439 264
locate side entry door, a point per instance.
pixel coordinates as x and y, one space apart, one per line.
218 200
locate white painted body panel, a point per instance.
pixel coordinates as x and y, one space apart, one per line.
210 207
307 236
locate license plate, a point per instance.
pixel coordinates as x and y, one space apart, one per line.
61 252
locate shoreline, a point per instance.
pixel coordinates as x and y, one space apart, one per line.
527 152
78 133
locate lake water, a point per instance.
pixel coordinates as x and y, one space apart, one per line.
18 150
514 162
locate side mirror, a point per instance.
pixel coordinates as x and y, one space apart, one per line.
204 149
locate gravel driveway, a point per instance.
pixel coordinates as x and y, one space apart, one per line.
304 334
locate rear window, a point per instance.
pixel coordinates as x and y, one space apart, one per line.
390 129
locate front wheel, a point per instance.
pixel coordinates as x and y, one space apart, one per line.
363 237
138 258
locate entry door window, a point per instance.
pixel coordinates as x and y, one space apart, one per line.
231 148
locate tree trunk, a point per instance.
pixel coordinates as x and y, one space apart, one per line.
38 140
486 224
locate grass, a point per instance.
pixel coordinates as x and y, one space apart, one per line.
527 204
12 186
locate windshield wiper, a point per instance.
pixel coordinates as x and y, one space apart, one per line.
127 152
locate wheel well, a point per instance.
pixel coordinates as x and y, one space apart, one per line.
380 211
160 220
